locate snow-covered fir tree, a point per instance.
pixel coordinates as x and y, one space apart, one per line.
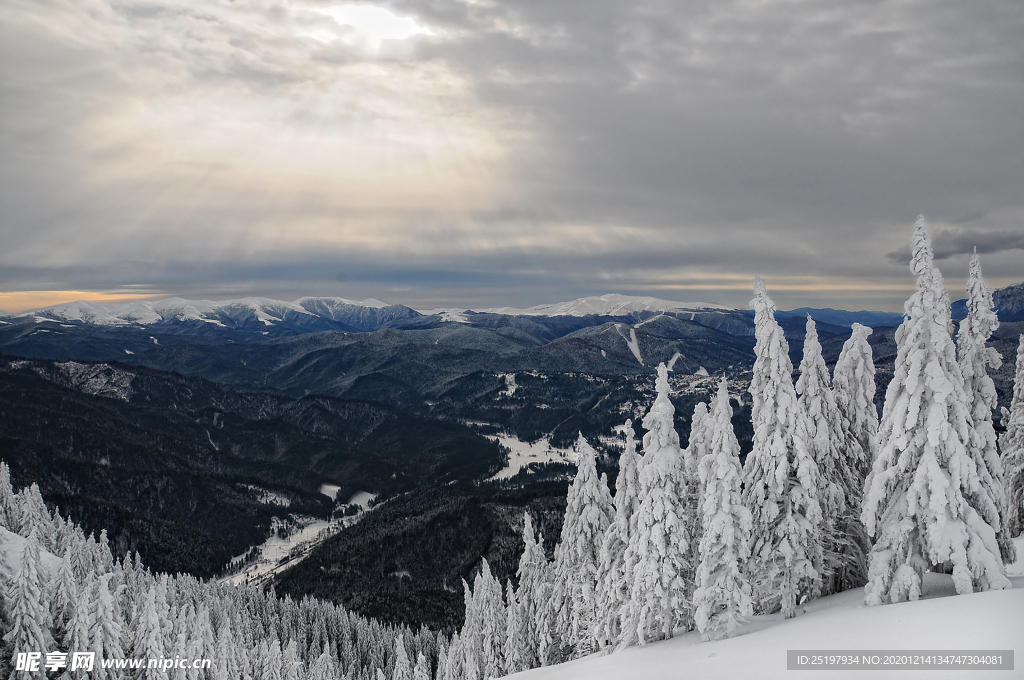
853 384
612 587
836 474
655 560
780 476
422 668
723 597
482 639
699 445
27 601
10 512
517 634
148 639
1011 446
532 640
403 667
975 358
588 512
915 503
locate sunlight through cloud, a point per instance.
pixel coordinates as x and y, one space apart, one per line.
377 22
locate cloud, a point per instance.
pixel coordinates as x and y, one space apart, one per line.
504 149
947 243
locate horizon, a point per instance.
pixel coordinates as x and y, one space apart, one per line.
481 154
425 309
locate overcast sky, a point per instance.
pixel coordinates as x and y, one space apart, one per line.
476 153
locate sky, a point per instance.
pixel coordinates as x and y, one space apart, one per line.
474 153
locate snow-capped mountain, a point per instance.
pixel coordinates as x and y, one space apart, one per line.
611 304
363 315
1008 303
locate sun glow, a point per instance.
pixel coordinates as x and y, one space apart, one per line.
377 22
20 301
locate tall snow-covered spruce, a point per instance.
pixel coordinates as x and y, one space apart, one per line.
655 561
722 598
588 512
780 475
853 384
1011 445
824 433
532 642
975 358
612 586
915 503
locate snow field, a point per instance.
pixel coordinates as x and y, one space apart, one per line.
523 453
942 620
275 549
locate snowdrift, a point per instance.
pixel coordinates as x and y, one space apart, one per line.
942 620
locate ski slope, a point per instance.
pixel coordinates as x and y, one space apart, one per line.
940 621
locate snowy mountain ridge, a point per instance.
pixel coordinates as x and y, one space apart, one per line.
144 313
1009 302
609 304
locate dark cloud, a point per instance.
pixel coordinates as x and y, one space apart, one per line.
947 243
518 149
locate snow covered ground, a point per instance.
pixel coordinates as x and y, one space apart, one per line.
523 453
941 621
362 499
330 490
278 553
12 548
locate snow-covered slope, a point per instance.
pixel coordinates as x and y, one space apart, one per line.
12 547
611 304
943 621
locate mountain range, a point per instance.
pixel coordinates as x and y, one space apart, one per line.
183 427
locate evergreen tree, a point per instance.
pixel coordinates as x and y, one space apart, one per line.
202 644
915 503
780 476
699 446
723 597
65 595
588 512
532 596
656 557
1011 445
106 626
76 636
291 664
148 639
854 388
35 516
422 669
324 667
483 633
612 585
836 475
975 358
27 603
517 633
226 662
10 513
403 668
